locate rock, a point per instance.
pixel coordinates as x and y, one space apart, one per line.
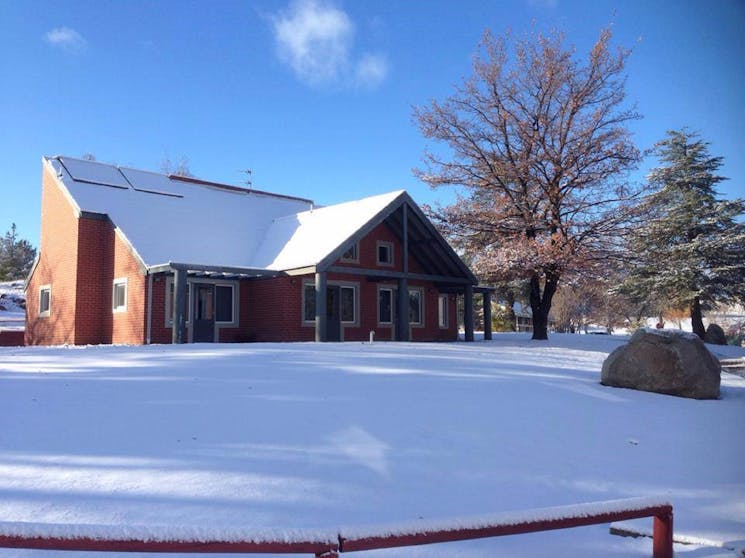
715 335
664 361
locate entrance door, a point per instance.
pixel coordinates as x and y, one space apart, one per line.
204 313
333 313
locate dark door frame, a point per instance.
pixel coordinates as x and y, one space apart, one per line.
203 315
333 313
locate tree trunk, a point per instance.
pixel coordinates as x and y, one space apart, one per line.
540 303
697 322
511 318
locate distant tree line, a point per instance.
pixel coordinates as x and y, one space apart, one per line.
16 256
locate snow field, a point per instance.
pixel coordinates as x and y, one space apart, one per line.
288 438
12 305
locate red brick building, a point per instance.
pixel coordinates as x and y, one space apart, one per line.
129 256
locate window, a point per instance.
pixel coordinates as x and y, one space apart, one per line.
385 253
348 304
119 295
352 254
45 300
224 303
385 306
415 307
309 303
221 306
442 311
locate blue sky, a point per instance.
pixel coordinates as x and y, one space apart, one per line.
315 97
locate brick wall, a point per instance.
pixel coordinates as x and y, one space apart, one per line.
57 266
94 267
11 338
79 258
274 309
159 333
129 326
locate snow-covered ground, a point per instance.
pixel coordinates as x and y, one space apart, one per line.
12 305
277 437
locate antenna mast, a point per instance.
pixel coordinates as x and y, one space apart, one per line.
247 181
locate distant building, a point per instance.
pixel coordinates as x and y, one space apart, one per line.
130 256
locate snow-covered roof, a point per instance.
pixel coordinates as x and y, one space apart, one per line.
174 219
306 238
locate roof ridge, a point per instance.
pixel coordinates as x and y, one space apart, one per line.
190 179
232 188
355 201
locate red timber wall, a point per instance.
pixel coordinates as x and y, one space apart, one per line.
79 258
275 306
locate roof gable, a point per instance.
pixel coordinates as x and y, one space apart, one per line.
307 238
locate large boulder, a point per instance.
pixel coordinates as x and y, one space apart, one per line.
715 335
664 361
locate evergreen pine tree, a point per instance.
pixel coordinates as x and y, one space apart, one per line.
16 256
691 251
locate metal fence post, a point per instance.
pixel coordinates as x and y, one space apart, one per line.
662 542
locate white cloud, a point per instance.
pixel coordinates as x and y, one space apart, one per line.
315 38
66 39
371 70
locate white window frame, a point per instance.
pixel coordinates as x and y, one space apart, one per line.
302 304
356 254
377 304
384 244
419 323
47 312
343 285
169 301
118 282
443 311
355 303
233 309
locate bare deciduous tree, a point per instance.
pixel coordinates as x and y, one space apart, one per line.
539 141
179 168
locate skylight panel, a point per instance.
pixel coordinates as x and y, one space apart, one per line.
153 183
92 172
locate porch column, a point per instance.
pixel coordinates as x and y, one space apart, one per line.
405 238
178 327
468 312
320 307
402 329
402 322
487 316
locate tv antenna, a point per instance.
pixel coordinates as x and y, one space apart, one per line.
247 181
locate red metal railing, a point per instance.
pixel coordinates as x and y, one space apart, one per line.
13 535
